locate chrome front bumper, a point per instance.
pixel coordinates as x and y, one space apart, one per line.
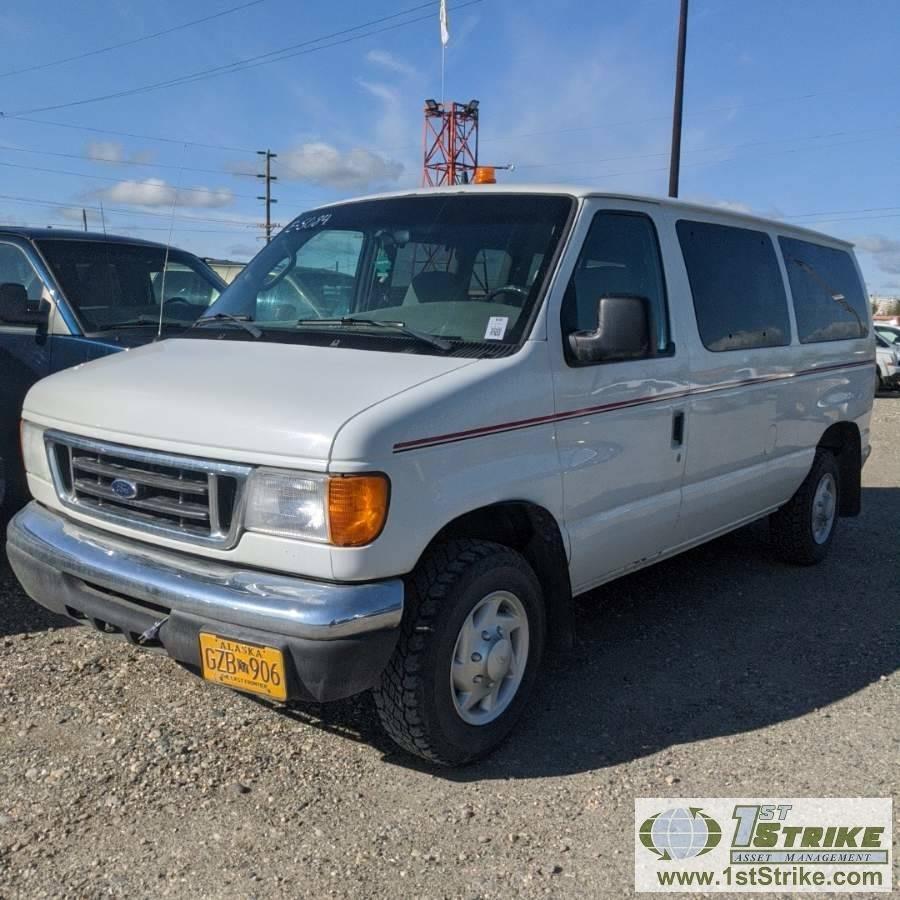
340 635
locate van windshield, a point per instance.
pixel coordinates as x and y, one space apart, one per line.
114 284
467 269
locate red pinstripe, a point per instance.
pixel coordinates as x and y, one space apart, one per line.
515 425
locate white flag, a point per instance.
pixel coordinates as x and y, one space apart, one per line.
445 24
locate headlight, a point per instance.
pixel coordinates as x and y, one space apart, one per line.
34 453
345 510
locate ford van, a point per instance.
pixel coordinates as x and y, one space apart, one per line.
70 296
417 425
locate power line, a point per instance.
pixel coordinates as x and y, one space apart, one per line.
184 190
129 134
721 149
849 219
121 162
841 212
152 165
254 61
131 42
36 201
712 162
516 135
123 228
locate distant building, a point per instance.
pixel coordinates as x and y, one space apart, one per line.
226 269
885 308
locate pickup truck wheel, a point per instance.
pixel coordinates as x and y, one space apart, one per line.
468 654
803 529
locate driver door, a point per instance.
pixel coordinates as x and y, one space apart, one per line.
621 430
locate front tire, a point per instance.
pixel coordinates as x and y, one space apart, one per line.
468 654
803 529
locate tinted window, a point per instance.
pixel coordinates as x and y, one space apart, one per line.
112 283
15 269
620 256
737 287
20 288
829 301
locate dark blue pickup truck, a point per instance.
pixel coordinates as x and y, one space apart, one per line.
67 297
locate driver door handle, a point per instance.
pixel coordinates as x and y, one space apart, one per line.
678 428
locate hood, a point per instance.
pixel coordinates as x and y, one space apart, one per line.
247 401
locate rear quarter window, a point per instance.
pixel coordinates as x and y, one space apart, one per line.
829 299
738 291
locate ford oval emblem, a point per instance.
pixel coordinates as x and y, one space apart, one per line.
125 489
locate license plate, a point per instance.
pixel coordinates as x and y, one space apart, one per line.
244 667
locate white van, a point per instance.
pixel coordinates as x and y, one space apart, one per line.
416 425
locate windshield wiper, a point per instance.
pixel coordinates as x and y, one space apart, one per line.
350 321
243 321
131 323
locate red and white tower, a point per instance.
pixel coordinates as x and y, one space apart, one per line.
451 143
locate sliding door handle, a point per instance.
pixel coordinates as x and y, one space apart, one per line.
677 428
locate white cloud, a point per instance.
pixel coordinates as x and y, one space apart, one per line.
114 152
320 163
157 192
884 251
381 91
390 62
105 151
728 205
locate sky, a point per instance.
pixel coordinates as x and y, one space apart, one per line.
792 108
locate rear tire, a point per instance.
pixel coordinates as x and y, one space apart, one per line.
475 615
803 529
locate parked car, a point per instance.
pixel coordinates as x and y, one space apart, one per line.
70 296
531 392
887 360
890 333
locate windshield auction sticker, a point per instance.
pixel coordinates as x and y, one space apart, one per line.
777 844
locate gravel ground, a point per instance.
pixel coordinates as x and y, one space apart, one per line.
719 673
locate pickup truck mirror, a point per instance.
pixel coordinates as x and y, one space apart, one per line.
17 309
623 331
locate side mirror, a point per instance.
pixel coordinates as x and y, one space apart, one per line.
623 331
17 309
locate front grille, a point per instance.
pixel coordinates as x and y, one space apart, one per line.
195 500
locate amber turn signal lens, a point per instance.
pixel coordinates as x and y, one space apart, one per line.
357 508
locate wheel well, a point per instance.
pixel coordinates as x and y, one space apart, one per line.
532 531
843 440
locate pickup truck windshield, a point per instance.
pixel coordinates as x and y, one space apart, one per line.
465 268
112 284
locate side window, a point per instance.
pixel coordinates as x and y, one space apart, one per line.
20 286
829 300
738 291
620 256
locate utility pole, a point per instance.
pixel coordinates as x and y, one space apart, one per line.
267 197
675 158
84 217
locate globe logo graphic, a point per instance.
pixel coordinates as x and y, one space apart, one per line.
680 833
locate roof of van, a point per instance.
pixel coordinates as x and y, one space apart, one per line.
32 233
583 192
